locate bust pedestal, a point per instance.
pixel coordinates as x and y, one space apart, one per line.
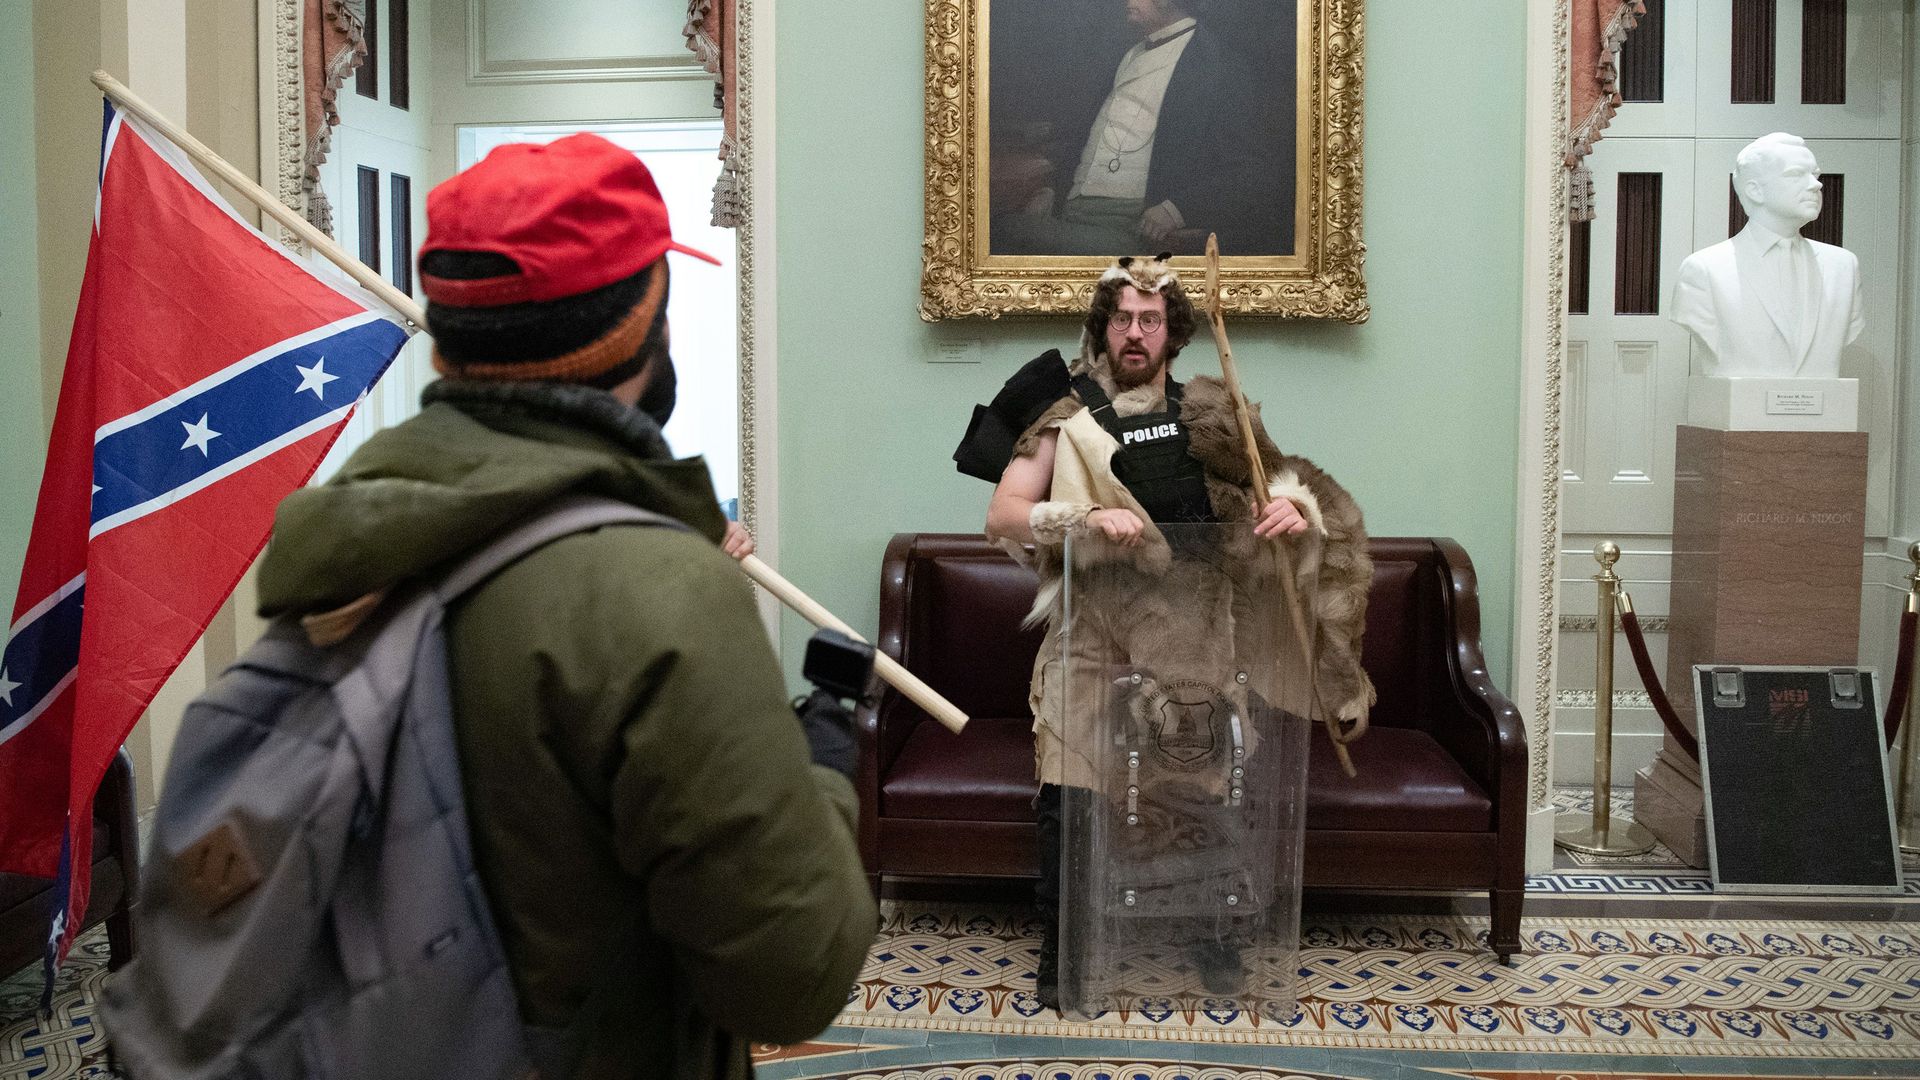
1768 529
1744 403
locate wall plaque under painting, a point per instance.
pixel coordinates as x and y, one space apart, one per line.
1060 133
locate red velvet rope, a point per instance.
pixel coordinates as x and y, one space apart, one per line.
1630 623
1896 700
1902 677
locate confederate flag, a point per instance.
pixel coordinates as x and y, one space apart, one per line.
208 373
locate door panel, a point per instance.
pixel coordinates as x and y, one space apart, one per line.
1875 33
1626 379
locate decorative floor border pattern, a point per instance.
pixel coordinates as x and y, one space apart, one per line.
1678 884
1681 883
1076 1069
1745 988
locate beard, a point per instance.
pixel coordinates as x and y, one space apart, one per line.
1134 367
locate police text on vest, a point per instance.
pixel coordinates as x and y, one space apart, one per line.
1158 431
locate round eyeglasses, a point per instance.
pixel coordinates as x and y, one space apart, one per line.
1149 321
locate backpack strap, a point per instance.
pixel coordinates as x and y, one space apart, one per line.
572 514
284 647
556 1052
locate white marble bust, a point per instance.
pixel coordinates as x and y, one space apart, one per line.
1769 302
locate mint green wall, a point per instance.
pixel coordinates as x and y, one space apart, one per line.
1414 411
22 438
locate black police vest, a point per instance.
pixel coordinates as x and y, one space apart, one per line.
1153 460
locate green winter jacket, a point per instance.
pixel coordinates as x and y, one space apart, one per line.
644 813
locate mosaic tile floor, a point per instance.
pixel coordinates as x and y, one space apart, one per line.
66 1043
1609 986
945 996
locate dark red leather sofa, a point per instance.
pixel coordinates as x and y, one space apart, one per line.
1440 801
26 903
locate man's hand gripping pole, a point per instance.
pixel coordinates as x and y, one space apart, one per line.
1257 476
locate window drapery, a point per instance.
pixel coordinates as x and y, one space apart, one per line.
710 35
333 42
1599 28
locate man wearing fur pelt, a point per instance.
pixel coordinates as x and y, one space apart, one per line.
1111 447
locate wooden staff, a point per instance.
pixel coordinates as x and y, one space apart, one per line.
405 306
1257 475
889 669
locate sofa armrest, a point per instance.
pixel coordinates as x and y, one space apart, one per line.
882 726
884 722
1476 722
866 780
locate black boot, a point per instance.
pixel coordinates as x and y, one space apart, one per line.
1046 897
1223 973
1046 981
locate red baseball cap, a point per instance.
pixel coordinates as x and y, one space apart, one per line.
574 215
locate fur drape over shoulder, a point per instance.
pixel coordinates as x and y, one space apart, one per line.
1345 572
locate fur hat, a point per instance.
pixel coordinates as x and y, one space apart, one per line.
1149 274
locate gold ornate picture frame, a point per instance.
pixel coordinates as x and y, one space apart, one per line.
1313 265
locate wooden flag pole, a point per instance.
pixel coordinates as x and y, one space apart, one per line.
1242 415
409 309
128 101
889 669
1257 473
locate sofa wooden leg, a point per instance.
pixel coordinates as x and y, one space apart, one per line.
119 939
1505 935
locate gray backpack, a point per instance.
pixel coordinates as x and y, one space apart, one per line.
310 906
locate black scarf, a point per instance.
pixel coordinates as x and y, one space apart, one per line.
574 404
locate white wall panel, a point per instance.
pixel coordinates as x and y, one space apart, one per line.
606 60
1575 424
561 40
392 141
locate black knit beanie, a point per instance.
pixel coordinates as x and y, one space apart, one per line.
601 337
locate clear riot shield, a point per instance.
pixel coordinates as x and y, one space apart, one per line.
1188 696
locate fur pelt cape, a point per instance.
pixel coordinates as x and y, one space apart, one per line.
1337 586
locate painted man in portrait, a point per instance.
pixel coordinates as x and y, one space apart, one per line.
1187 132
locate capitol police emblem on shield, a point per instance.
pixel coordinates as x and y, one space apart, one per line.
1189 720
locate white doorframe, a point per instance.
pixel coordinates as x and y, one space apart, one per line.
1536 614
759 295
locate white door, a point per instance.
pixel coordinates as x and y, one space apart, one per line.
1626 362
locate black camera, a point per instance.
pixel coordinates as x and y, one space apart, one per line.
838 664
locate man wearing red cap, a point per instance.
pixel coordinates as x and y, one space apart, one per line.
670 875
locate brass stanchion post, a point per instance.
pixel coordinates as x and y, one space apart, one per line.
1909 836
1599 834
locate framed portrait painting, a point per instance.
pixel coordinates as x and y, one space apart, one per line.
1061 133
